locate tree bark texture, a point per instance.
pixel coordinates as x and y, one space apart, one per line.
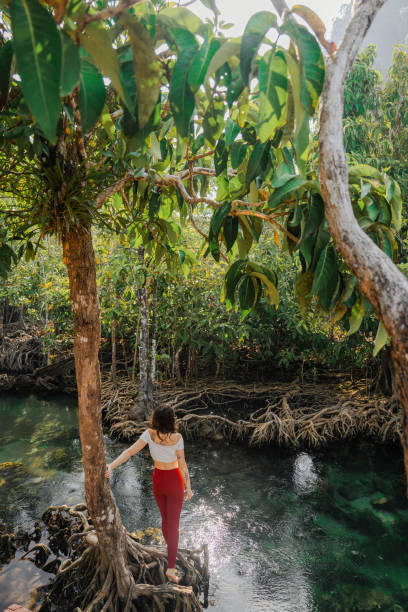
379 278
79 259
153 346
113 342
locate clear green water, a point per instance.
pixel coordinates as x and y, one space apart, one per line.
287 531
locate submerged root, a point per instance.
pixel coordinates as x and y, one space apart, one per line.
88 582
289 414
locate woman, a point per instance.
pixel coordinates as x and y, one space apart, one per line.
170 473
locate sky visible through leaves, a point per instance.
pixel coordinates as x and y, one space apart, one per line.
238 12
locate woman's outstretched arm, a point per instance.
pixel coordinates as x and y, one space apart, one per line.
132 450
184 471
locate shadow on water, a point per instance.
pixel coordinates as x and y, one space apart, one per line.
287 531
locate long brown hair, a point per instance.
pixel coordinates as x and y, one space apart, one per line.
163 420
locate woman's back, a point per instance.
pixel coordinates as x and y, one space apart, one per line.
163 447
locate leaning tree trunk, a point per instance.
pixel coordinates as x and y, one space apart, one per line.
79 259
379 278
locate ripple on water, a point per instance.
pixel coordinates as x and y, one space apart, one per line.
287 531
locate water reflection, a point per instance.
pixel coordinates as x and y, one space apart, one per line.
287 532
305 478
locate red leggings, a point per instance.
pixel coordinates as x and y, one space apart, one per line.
168 490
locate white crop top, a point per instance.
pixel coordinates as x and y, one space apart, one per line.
161 452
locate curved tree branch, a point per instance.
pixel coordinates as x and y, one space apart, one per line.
379 278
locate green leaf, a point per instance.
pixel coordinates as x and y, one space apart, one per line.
6 57
246 293
181 97
179 17
146 66
220 157
282 175
92 95
232 278
269 288
257 159
273 94
236 86
231 132
380 339
70 67
97 41
238 152
313 219
301 117
230 231
217 220
225 52
357 316
280 193
303 287
201 62
326 276
37 47
154 204
396 206
254 33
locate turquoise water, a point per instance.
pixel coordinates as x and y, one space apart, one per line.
287 531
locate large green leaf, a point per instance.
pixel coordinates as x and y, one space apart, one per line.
313 218
146 66
225 52
37 47
70 67
92 94
236 86
201 62
218 218
356 317
6 57
280 193
232 279
273 93
326 276
254 33
181 97
269 287
246 293
301 117
97 41
238 152
220 157
311 64
230 231
257 160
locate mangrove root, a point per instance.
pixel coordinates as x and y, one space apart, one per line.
87 582
288 413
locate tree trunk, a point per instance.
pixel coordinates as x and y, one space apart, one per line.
140 410
153 344
379 278
79 259
136 346
114 324
2 312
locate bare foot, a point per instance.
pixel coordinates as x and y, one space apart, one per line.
172 576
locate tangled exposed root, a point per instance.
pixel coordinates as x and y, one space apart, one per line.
290 414
87 582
